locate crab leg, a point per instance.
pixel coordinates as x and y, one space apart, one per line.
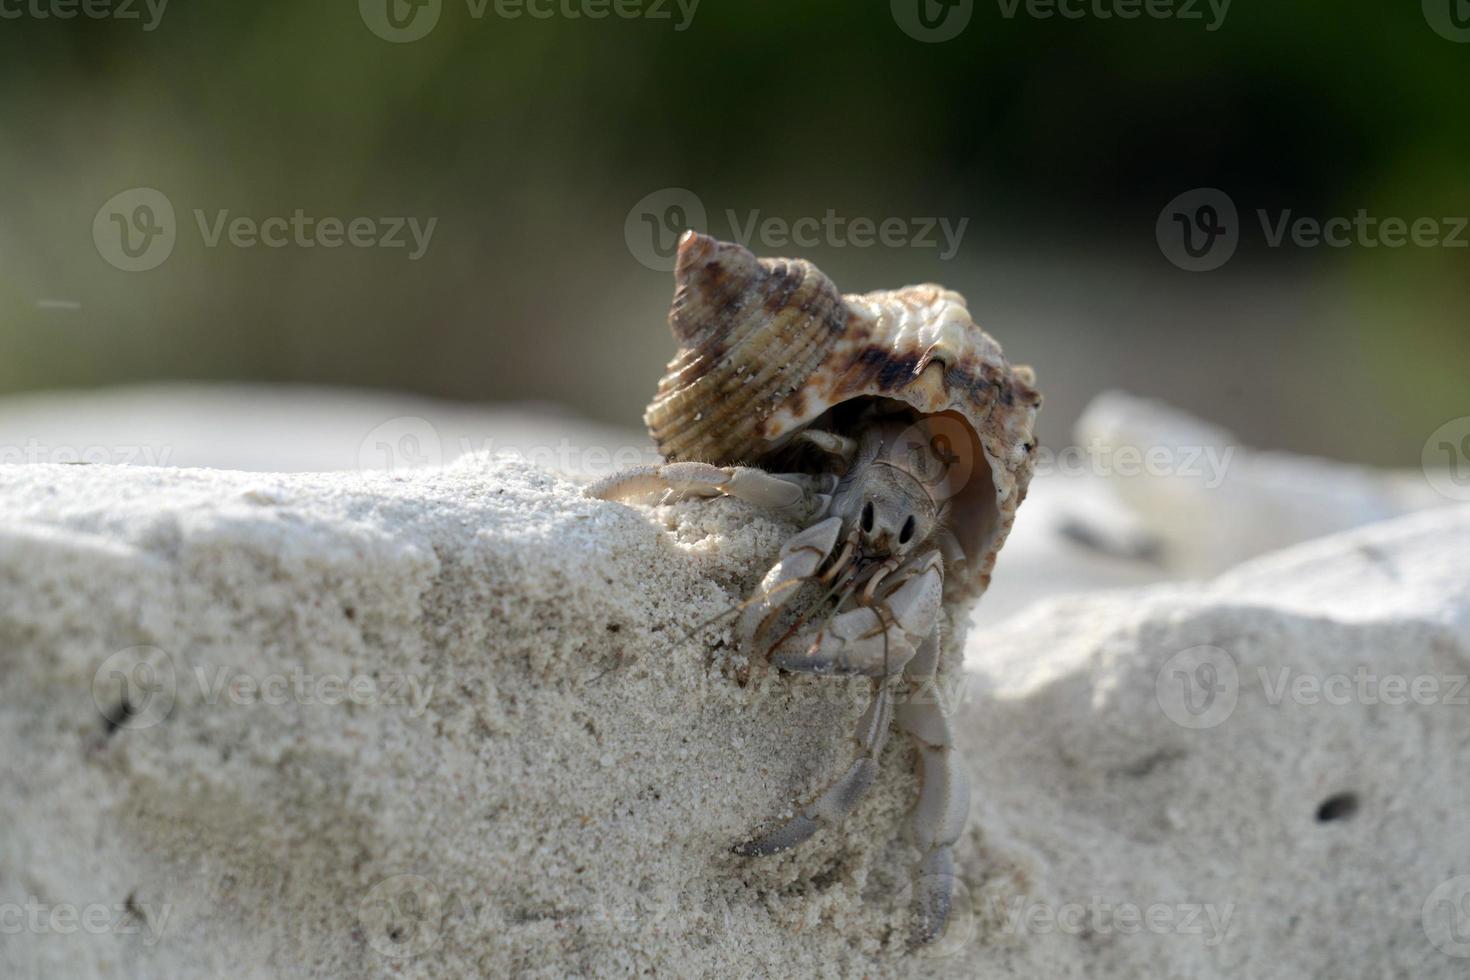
791 494
841 448
862 641
944 796
843 794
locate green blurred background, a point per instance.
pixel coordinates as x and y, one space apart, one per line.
533 140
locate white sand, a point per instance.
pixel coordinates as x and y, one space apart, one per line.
545 773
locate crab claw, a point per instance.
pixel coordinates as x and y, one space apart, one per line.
801 556
855 642
860 641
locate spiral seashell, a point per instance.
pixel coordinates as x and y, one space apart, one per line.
750 334
768 347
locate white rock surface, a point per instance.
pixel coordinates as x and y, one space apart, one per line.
1205 502
453 723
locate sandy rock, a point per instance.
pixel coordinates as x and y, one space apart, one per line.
463 722
1093 519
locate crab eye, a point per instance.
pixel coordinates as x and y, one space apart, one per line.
907 534
868 516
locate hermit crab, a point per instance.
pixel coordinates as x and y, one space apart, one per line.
892 429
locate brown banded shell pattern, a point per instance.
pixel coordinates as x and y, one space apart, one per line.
766 346
750 334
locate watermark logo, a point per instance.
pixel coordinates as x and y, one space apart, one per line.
404 443
1101 916
937 452
404 21
1198 688
150 12
650 10
927 895
400 21
1208 465
135 230
1446 917
297 686
402 916
653 226
1364 686
135 688
838 231
130 918
1446 459
932 21
1181 10
409 442
308 231
34 451
1199 230
1450 19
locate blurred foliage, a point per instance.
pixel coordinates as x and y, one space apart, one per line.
530 139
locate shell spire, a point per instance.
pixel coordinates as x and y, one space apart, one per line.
750 332
706 272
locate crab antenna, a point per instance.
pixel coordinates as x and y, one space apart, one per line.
843 583
747 603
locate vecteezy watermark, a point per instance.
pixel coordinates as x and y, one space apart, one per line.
935 448
405 915
1446 459
404 21
910 903
1364 686
149 12
306 231
1207 464
932 21
838 231
1101 916
402 916
129 918
136 230
1446 917
35 451
296 686
410 442
137 688
400 21
407 442
935 21
1200 230
1450 19
1182 10
654 224
1198 688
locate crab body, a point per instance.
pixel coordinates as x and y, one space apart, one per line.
890 428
